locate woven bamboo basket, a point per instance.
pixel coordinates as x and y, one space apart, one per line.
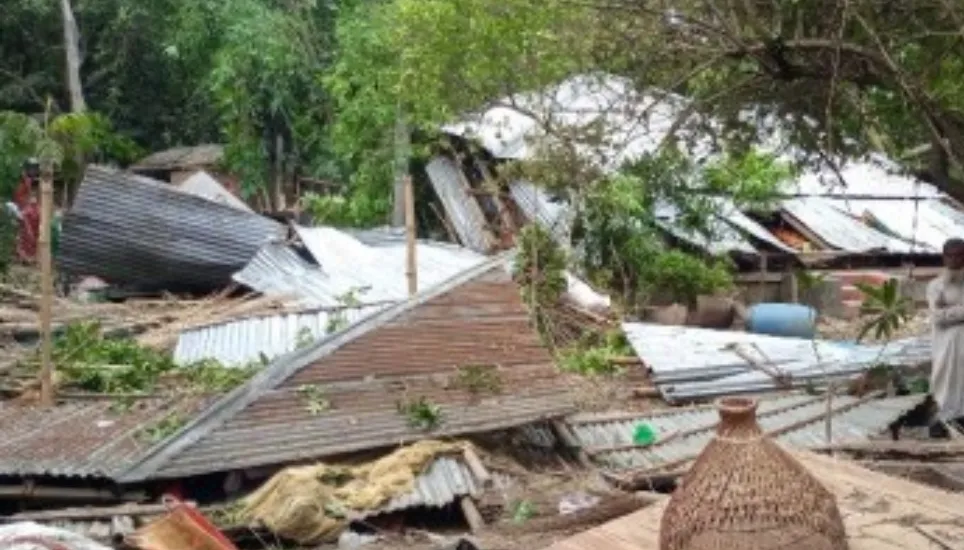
744 492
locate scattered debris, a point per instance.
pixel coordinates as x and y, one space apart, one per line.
182 528
310 504
32 536
404 355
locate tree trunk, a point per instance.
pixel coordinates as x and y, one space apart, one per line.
278 177
72 47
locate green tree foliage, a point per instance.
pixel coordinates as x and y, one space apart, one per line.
430 61
64 139
171 72
621 232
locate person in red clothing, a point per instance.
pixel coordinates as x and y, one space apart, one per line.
25 197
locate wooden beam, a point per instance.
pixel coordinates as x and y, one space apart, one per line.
411 267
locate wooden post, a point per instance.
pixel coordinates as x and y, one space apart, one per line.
47 288
763 277
403 150
472 515
411 267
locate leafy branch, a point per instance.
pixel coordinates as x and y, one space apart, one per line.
887 307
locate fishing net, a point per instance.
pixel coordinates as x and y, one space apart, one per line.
311 504
744 492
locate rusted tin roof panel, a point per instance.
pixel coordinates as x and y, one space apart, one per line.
89 438
125 228
409 352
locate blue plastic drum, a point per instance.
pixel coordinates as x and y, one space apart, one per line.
779 319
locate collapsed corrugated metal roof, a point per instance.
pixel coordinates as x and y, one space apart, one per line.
839 229
129 229
90 438
463 210
349 270
722 237
380 268
796 420
358 272
410 352
928 223
692 363
636 123
679 353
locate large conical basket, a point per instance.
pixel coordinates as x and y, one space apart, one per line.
745 492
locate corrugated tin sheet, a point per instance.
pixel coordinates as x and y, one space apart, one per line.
372 274
241 342
182 157
874 177
445 481
90 438
910 353
407 352
463 210
722 239
677 353
929 223
536 204
633 123
798 420
129 229
838 229
349 263
728 211
693 363
277 270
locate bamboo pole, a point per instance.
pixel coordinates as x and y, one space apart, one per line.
411 270
47 288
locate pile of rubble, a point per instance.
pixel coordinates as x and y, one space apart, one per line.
245 349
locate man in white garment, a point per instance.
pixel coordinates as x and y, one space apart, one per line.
945 298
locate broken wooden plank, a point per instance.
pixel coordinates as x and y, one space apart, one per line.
91 513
